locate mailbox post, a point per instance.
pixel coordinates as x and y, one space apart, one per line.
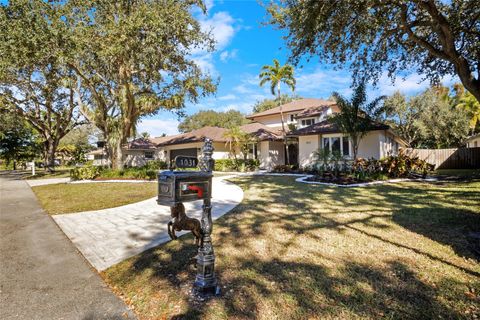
182 186
206 280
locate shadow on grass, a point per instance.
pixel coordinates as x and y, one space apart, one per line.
297 288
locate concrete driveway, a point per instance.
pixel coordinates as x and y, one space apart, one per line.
106 237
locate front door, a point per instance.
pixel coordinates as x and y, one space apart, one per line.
292 153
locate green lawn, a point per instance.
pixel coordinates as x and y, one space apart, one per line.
297 251
68 198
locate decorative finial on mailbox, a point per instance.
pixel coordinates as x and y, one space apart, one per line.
207 162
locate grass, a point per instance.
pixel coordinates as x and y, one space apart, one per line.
40 173
297 251
458 173
69 198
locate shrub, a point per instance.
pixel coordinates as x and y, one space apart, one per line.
398 166
282 168
85 173
236 165
156 165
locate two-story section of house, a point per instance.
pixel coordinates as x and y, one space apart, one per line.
297 114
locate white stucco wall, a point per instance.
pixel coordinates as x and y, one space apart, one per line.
370 145
263 154
277 153
273 121
307 145
270 154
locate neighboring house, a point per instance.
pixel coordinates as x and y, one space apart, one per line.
307 129
474 141
98 157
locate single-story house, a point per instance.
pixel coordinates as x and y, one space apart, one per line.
473 141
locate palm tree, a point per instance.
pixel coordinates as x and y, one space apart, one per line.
275 75
354 118
467 102
235 136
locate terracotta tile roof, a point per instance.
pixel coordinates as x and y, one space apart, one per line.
296 105
329 127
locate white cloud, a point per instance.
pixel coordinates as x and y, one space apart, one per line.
228 55
156 127
205 63
409 85
321 83
227 97
222 27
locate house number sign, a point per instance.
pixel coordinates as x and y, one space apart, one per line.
186 162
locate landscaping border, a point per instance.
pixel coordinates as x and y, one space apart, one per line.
364 184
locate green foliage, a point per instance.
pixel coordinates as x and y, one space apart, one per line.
354 117
18 141
238 140
432 119
35 82
399 166
236 165
227 119
283 168
267 104
465 101
142 173
156 165
437 37
85 173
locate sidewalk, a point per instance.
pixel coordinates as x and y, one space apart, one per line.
42 275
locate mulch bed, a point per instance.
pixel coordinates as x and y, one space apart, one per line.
342 180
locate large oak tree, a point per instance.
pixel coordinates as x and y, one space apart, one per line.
437 37
35 82
135 58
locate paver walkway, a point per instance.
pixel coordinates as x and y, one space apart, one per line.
42 275
108 236
42 182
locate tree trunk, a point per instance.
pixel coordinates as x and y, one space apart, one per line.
117 156
283 128
50 148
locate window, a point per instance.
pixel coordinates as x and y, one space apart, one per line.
149 155
336 144
340 144
326 143
307 122
345 146
292 117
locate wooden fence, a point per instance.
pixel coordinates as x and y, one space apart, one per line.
462 158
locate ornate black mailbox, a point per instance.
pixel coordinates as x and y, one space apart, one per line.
183 186
176 187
